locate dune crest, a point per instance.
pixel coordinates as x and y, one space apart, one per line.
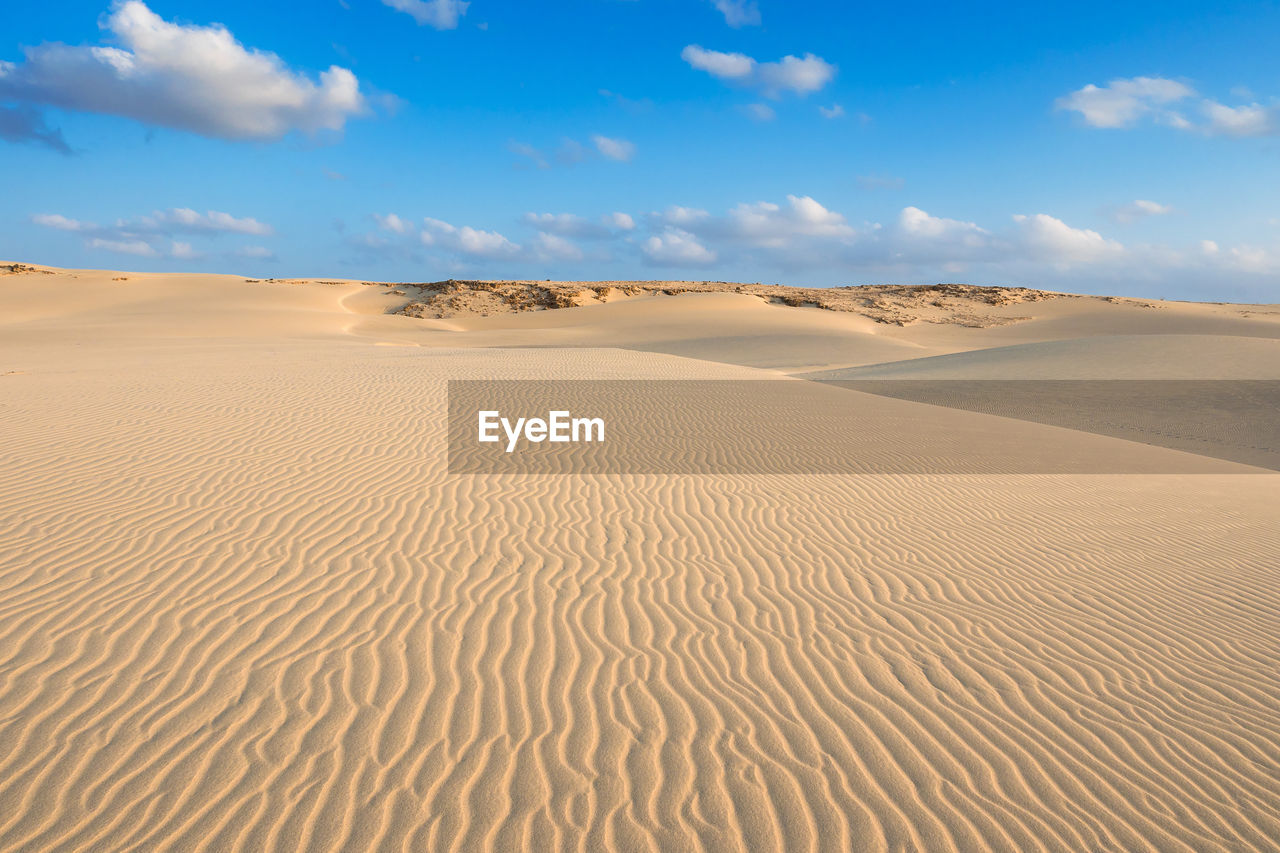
901 305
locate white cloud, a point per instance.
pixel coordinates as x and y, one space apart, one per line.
1245 259
676 248
184 251
917 223
1123 101
257 253
61 223
726 66
760 112
738 13
621 221
1140 209
770 225
614 149
163 223
797 75
833 111
194 78
464 246
927 239
1050 239
473 241
441 14
466 240
1253 259
553 247
800 233
684 216
552 242
124 247
566 225
145 235
1249 120
392 223
571 151
185 219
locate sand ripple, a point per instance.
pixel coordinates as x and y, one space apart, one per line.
265 618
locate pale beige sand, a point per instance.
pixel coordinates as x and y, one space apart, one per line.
1143 356
244 607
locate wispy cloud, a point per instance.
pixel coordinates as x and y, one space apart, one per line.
569 225
528 153
124 247
146 235
879 182
61 223
621 221
1124 103
464 245
1246 120
552 247
1121 103
739 13
641 105
759 112
25 123
184 251
791 74
571 151
555 238
1138 209
614 149
185 219
441 14
803 234
800 234
726 66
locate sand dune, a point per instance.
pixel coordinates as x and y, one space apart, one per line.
1153 356
244 605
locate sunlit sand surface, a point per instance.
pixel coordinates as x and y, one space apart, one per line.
244 606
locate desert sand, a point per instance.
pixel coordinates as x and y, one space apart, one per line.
245 606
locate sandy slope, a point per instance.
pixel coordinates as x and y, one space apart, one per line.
243 606
1142 356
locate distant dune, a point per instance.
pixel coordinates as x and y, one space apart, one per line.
959 304
245 606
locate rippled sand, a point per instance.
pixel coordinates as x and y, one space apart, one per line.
244 606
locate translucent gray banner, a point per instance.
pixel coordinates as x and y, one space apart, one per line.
792 426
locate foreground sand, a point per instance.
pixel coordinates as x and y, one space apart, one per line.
243 606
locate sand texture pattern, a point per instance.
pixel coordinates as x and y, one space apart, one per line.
244 606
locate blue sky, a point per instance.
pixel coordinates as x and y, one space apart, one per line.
1126 148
